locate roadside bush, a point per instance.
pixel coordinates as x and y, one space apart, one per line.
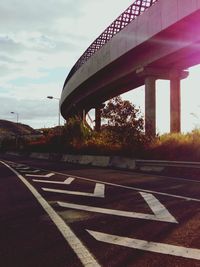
176 146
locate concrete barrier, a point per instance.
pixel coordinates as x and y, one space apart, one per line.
35 155
101 161
113 161
122 163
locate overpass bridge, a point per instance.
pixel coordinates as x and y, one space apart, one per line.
150 40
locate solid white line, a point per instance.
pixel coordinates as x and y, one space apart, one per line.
158 209
122 213
41 175
81 251
189 253
98 191
67 181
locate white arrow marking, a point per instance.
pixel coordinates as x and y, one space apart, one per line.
158 209
190 253
99 191
160 212
41 175
67 181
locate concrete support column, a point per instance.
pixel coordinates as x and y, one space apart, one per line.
97 119
80 114
150 105
175 105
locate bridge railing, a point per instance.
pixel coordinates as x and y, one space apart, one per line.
132 12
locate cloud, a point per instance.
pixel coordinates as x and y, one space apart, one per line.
8 45
40 42
28 110
29 15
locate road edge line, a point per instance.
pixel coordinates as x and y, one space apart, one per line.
75 243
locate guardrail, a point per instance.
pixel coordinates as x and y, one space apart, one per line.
166 163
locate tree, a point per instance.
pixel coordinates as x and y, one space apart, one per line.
75 131
124 121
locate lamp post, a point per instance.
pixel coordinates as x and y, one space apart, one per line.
52 97
12 112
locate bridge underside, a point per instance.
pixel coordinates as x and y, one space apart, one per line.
164 56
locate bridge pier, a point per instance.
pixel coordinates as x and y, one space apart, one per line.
150 75
175 105
150 105
97 119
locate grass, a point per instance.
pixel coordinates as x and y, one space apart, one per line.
175 146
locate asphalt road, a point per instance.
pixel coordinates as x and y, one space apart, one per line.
56 214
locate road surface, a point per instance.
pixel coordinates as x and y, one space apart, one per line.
56 214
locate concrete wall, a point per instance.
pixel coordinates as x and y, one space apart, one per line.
113 161
98 161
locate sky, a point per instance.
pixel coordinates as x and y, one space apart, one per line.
40 41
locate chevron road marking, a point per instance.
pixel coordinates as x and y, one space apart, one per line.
34 171
22 168
41 175
189 253
67 181
99 191
160 212
158 209
18 165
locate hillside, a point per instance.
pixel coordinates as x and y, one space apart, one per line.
9 128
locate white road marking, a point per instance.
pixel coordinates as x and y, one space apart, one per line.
41 175
22 168
81 251
19 165
67 181
160 215
132 188
189 253
27 171
136 188
158 209
99 191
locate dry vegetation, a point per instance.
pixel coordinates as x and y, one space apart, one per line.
122 134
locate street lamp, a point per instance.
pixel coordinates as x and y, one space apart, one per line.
52 97
12 112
